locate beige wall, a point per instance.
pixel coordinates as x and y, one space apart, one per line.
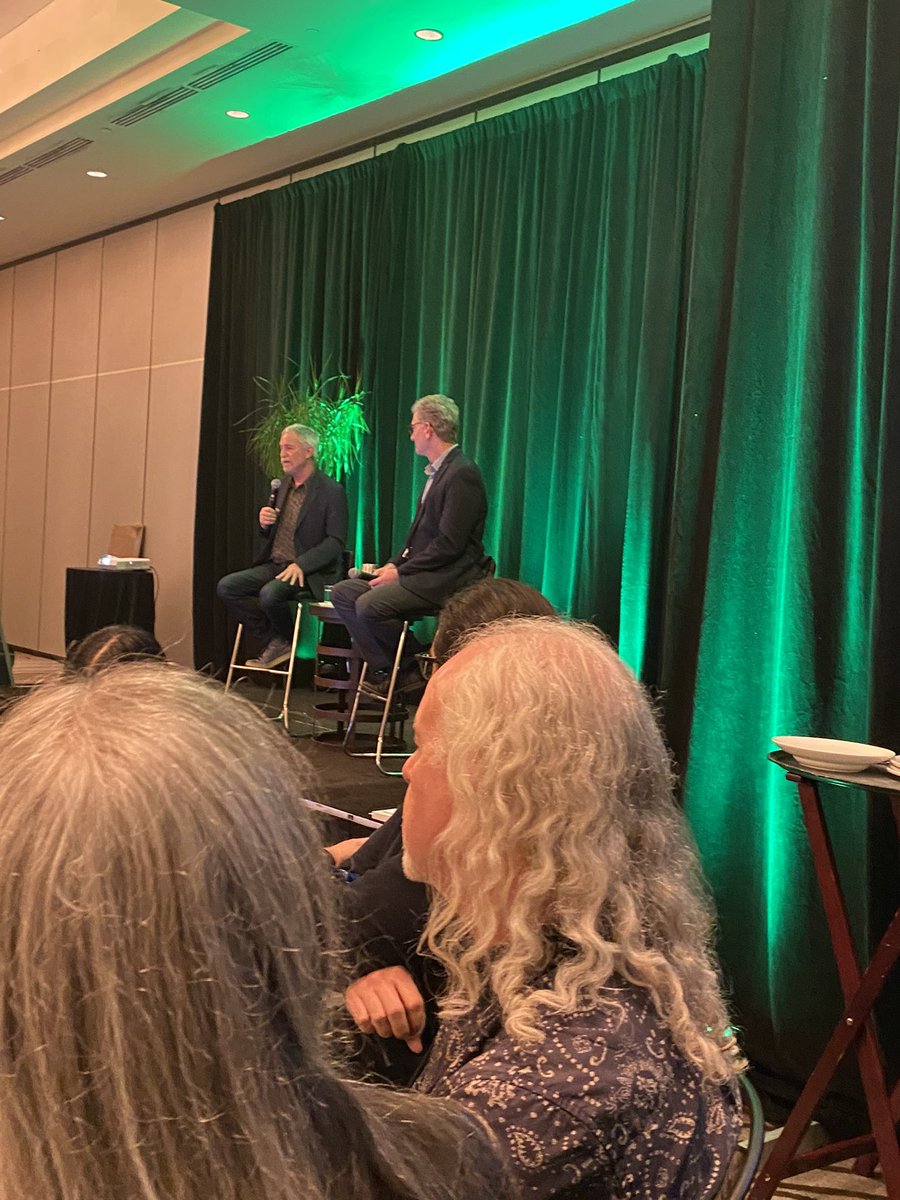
101 357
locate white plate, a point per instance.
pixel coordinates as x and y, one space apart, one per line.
829 754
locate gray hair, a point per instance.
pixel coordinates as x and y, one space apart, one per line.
441 413
166 966
305 434
555 760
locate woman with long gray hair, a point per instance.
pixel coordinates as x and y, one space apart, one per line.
583 1016
167 967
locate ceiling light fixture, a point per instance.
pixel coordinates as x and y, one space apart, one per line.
429 35
237 113
97 174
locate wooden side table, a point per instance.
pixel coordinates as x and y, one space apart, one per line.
339 690
855 1029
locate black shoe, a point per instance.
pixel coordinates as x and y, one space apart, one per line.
410 683
331 670
376 683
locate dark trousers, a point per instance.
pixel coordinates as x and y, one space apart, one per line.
375 618
264 605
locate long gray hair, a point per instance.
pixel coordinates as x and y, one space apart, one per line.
563 826
166 966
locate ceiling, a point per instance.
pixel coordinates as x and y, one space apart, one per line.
140 88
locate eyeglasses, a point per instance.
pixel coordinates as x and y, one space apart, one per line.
415 423
428 663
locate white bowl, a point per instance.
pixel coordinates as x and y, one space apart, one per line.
829 754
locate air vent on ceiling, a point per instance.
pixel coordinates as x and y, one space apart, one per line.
153 105
163 100
13 173
54 154
72 146
262 54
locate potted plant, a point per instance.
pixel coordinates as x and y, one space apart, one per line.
331 405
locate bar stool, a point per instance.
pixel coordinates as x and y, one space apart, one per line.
339 691
287 672
379 753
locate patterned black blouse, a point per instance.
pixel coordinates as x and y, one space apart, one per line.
603 1106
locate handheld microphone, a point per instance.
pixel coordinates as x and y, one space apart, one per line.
274 485
366 571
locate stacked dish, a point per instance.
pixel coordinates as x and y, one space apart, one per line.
828 754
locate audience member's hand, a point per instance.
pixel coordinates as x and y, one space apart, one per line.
386 574
341 851
267 516
387 1002
291 574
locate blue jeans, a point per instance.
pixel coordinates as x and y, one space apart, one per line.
375 618
264 605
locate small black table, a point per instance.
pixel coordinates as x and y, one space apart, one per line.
98 596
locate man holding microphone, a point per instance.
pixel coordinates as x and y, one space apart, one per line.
305 531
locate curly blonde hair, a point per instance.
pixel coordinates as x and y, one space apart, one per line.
564 830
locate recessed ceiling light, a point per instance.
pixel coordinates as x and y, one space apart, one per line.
97 174
237 112
429 35
2 218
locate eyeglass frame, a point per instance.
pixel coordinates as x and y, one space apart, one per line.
429 663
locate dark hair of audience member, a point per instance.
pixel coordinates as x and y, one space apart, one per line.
168 977
481 603
111 645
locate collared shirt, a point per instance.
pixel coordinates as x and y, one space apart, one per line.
432 468
283 546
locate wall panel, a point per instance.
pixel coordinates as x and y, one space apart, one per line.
76 319
69 464
26 475
7 284
32 329
173 436
181 285
126 306
4 452
120 440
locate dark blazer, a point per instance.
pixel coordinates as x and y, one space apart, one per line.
444 549
321 533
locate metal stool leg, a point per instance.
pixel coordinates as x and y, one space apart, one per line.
379 752
234 654
287 672
348 732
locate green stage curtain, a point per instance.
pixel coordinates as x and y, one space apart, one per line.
783 578
532 266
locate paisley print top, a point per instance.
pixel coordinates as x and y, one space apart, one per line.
603 1106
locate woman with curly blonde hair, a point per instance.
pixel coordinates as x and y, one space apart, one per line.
584 1017
168 976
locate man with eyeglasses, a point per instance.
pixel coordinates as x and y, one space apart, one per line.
443 551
